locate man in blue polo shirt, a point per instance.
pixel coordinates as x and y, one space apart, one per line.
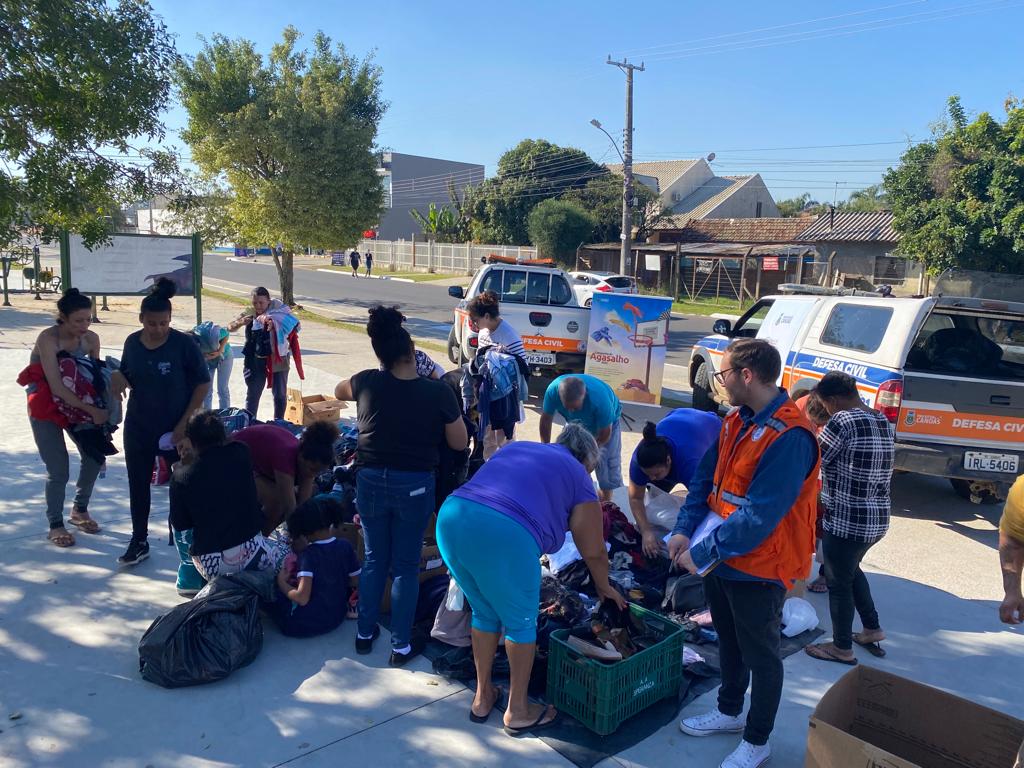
667 456
588 400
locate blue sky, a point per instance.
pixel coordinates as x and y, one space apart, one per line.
750 81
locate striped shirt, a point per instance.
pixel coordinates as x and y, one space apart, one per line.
503 336
856 468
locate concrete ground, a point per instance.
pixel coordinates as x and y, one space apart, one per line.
70 621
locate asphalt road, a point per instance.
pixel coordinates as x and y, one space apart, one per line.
428 307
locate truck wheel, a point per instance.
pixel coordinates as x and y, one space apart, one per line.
702 399
454 350
588 303
962 488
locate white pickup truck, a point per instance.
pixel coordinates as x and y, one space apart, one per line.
538 301
947 370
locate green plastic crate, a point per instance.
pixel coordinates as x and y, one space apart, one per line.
603 696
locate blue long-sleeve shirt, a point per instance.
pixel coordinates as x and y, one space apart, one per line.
774 488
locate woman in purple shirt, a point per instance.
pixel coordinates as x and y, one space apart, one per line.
492 532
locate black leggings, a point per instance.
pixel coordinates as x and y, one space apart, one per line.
141 447
255 373
847 587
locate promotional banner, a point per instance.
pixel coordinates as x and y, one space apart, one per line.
627 343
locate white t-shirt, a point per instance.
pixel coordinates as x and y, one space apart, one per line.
502 336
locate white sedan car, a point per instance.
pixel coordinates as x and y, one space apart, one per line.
584 284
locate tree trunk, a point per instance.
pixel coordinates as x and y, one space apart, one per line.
285 264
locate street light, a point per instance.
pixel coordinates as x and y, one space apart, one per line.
627 194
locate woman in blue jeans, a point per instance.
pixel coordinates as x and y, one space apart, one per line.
402 419
491 533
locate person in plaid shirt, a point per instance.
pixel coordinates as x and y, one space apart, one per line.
856 468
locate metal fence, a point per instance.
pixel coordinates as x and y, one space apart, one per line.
445 258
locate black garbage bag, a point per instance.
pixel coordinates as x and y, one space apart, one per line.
209 637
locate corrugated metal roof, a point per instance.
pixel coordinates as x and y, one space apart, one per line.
778 230
851 227
665 171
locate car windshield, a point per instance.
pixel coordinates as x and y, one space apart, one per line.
619 282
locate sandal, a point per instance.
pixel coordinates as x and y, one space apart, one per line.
827 652
818 586
81 520
61 538
536 725
874 648
498 693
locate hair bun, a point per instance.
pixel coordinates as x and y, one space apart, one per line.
70 292
163 287
384 320
650 431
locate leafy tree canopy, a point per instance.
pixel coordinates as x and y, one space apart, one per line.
293 137
958 200
79 80
558 227
529 173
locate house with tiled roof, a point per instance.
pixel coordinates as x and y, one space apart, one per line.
859 249
748 231
691 190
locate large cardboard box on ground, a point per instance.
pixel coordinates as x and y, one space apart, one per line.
304 410
874 719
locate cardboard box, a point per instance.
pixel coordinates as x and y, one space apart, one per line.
304 410
874 719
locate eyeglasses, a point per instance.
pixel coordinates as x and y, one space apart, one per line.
720 376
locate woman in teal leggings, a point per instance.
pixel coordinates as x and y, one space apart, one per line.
492 532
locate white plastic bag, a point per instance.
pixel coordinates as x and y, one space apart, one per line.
798 616
456 598
662 508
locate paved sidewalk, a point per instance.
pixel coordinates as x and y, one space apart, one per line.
70 621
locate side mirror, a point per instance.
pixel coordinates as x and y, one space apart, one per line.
722 327
456 292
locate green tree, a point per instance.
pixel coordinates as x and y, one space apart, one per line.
958 200
558 227
529 173
294 138
602 198
204 206
795 206
79 80
867 200
449 223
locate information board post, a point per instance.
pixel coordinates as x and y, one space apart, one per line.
197 275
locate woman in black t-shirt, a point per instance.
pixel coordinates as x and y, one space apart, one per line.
169 379
402 418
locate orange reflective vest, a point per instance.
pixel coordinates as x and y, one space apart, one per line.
785 555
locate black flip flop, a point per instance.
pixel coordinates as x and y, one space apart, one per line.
536 726
483 719
826 656
875 649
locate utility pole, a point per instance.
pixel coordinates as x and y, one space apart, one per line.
627 163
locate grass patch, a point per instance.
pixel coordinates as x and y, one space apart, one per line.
707 307
416 277
313 317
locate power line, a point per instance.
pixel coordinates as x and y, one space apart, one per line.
636 51
829 32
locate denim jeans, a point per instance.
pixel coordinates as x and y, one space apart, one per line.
394 508
222 371
255 374
609 465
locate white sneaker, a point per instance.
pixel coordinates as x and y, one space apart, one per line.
711 723
746 755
